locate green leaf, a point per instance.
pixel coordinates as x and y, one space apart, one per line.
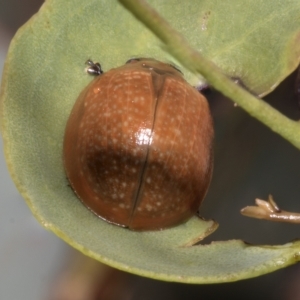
255 41
43 76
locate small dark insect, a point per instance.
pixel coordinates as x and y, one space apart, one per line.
93 68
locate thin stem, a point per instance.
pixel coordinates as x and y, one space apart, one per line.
178 46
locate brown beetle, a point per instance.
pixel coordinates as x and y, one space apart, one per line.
138 146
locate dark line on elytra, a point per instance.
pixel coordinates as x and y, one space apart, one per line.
145 164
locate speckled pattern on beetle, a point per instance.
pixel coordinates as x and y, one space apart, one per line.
138 146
